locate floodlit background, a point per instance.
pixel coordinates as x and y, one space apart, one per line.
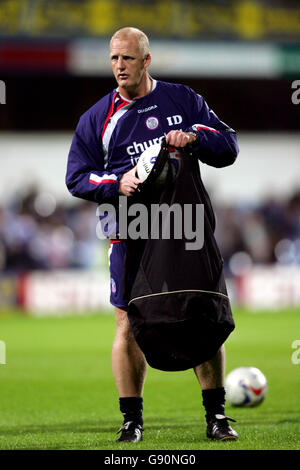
243 56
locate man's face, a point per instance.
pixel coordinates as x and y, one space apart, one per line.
128 64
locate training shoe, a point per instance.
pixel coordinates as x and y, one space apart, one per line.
219 429
131 432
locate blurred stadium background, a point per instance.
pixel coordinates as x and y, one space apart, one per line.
241 55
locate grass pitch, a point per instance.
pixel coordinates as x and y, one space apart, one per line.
57 389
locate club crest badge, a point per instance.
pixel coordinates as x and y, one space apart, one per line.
152 123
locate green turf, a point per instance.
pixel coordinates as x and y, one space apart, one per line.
57 390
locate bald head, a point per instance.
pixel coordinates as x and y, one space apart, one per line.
128 34
130 59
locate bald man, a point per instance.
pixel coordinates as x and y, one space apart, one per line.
106 146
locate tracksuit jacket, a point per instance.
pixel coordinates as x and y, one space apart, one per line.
112 134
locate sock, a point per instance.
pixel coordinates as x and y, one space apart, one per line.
132 409
214 401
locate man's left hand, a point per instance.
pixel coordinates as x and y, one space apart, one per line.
180 138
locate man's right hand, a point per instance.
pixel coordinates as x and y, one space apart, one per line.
129 182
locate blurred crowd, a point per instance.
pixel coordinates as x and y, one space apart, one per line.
265 233
37 232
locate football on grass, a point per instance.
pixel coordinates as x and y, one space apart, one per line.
245 386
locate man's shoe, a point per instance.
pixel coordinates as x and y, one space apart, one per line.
130 432
219 429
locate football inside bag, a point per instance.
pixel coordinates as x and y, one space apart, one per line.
179 310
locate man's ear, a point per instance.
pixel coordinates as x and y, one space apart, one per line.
147 60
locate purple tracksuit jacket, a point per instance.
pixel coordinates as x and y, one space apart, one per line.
113 133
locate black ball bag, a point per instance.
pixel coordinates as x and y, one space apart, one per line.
179 310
